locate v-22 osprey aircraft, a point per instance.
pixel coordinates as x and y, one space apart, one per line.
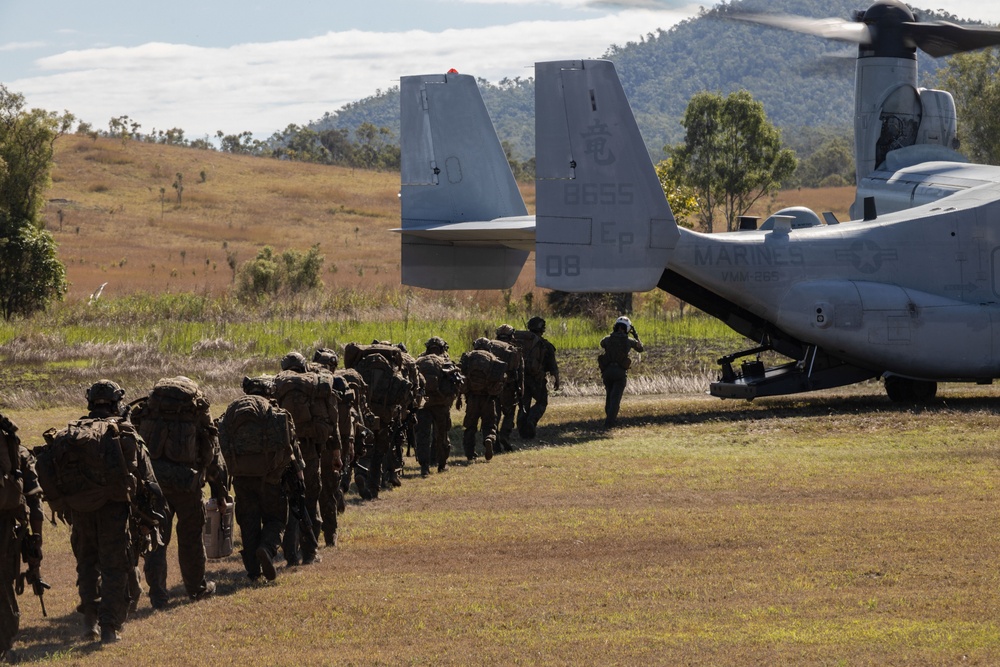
910 292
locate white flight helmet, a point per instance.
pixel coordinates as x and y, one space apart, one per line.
625 322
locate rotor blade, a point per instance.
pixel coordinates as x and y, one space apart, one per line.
942 38
845 31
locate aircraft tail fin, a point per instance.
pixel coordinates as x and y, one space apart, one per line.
453 170
602 222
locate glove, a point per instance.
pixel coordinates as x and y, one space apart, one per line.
31 550
557 385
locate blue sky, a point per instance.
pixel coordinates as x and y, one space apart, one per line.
259 65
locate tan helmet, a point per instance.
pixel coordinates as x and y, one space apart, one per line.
293 361
505 332
105 392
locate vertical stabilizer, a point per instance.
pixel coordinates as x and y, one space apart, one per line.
453 169
603 222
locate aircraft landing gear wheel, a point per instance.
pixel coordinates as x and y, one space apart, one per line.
905 390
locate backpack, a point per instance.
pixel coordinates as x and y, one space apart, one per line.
255 437
442 379
11 482
387 388
484 373
82 466
615 351
310 400
354 353
507 353
171 419
533 352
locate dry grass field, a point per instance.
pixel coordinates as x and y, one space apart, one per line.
837 529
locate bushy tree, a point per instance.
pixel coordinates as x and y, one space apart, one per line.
974 80
271 275
731 155
682 199
30 274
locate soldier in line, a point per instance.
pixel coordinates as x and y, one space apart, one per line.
256 464
21 521
484 377
513 388
177 426
539 362
614 363
356 419
443 382
381 366
314 437
91 470
335 458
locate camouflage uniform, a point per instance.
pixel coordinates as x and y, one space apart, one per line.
614 363
14 526
354 421
182 484
336 455
480 409
434 417
296 548
101 538
513 389
261 507
536 389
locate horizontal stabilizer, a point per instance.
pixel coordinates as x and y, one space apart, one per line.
603 223
446 266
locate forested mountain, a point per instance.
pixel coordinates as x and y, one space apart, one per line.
801 81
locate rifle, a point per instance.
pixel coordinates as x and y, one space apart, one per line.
295 490
31 554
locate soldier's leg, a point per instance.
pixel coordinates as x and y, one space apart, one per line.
10 564
441 419
313 484
155 566
471 422
329 485
424 438
615 378
489 425
274 515
291 542
190 511
527 409
115 563
505 419
538 409
379 452
248 516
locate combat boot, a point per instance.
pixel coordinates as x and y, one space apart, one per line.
425 470
109 635
488 447
91 630
207 591
266 561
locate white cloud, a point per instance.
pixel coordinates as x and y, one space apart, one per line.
265 86
21 46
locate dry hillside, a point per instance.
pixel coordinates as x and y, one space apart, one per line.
118 219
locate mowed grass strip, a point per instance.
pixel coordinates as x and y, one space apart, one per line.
836 529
